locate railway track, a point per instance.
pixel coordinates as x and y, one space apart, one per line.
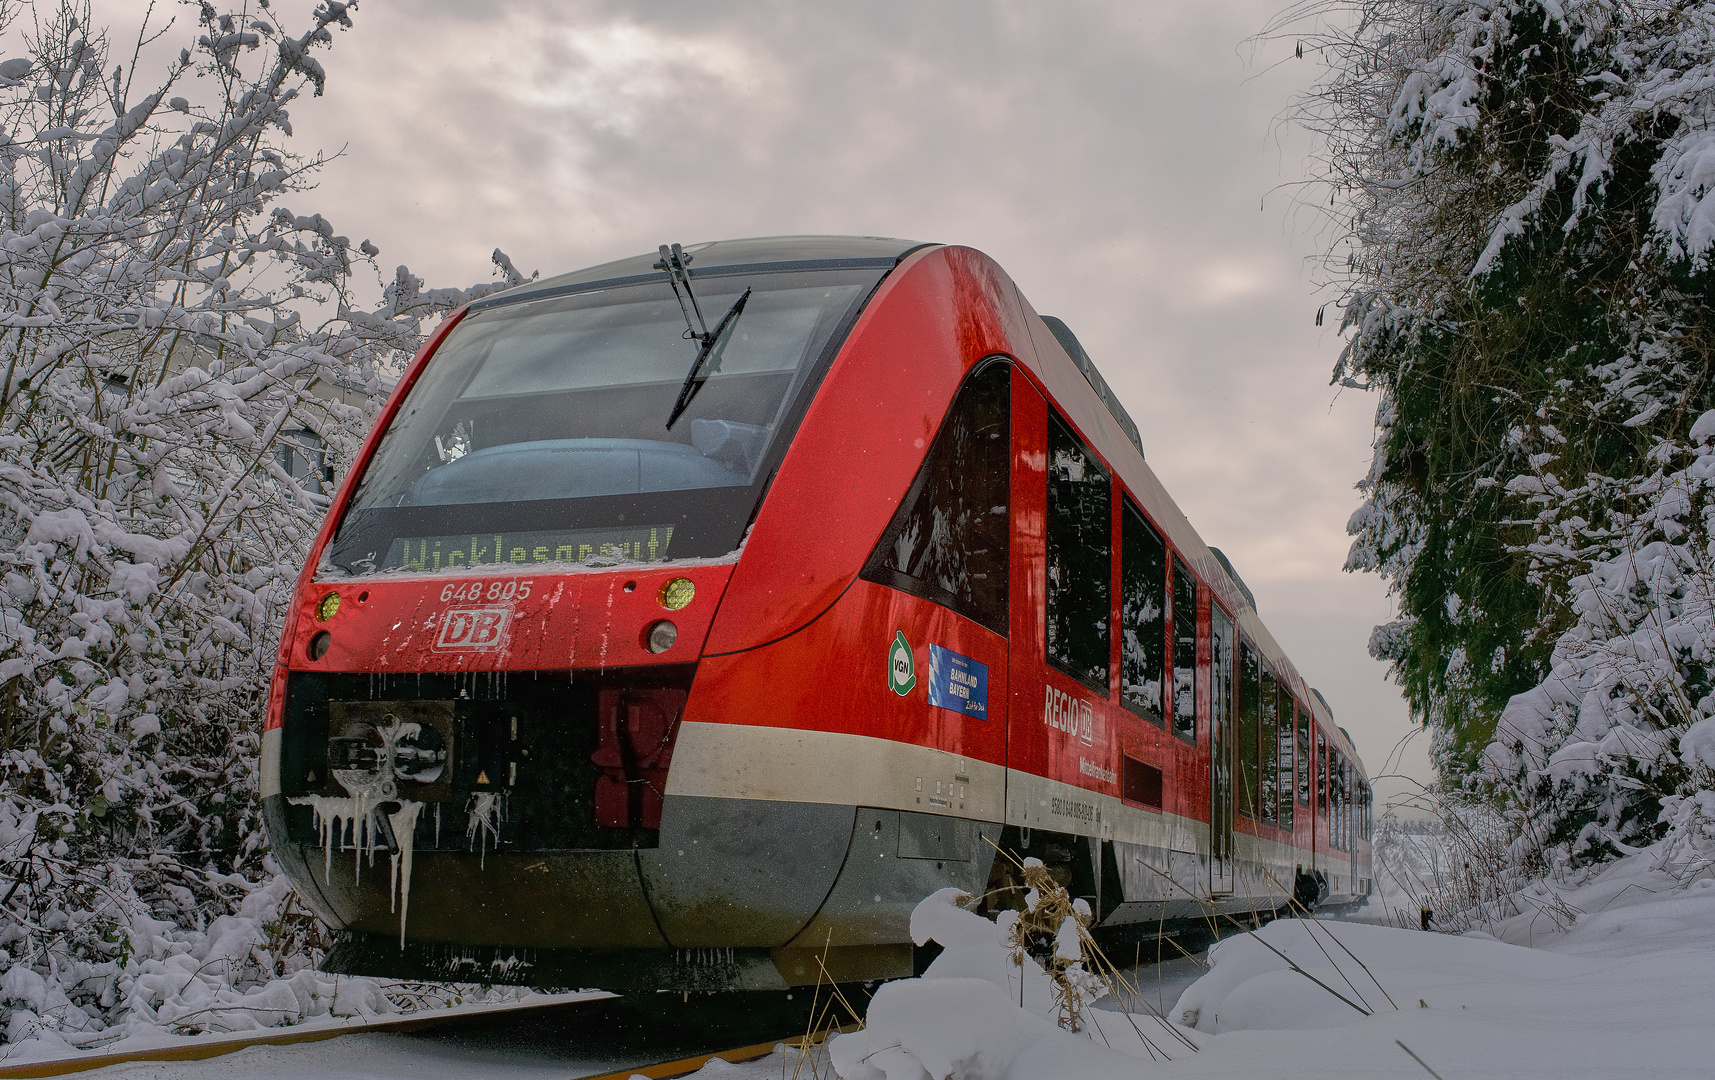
659 1036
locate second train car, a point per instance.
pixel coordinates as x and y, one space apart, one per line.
686 620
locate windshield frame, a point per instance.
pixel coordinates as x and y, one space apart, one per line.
707 522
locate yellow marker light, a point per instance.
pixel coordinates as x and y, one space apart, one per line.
677 593
329 605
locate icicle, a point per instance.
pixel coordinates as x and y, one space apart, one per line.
484 822
334 817
437 826
399 883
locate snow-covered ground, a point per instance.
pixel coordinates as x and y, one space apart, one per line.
1609 977
1604 978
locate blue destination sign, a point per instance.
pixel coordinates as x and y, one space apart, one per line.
958 683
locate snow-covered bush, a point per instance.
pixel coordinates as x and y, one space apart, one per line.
1615 750
184 371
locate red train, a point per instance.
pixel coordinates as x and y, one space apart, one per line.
606 672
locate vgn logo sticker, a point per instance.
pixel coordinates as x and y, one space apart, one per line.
901 668
472 628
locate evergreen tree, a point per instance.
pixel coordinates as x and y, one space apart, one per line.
1524 257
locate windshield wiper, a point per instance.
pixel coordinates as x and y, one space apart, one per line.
711 345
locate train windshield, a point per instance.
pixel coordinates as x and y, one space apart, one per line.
538 432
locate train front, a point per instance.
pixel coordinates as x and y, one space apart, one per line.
481 681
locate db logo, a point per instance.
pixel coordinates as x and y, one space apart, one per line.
472 628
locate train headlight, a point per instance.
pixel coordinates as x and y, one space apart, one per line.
328 607
661 636
677 593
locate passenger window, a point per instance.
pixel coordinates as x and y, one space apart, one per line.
1184 652
1322 773
1140 782
1303 757
1143 615
1249 721
1268 698
1345 804
948 542
1284 741
1080 558
1337 779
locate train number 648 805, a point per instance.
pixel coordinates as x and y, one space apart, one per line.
488 590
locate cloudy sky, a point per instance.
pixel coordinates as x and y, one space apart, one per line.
1121 160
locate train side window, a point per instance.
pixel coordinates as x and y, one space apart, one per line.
1184 652
1268 701
1140 782
1322 773
1345 804
1337 778
1283 740
1143 615
1249 673
948 541
1080 560
1303 757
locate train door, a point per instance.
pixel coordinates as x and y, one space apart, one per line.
1221 753
1320 827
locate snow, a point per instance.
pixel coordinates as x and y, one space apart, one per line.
404 823
483 825
1697 745
1621 990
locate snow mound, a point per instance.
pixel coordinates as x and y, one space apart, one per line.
967 1028
1251 987
976 1014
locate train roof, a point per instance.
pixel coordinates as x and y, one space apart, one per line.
724 256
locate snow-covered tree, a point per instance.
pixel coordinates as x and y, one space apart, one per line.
184 372
1522 195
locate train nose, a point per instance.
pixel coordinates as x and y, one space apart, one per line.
721 873
530 810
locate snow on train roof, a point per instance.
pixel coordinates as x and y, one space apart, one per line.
828 252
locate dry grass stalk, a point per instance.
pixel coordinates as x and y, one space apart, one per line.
1289 961
1096 973
1311 925
824 1023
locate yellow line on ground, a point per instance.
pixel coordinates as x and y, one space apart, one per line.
668 1070
198 1051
